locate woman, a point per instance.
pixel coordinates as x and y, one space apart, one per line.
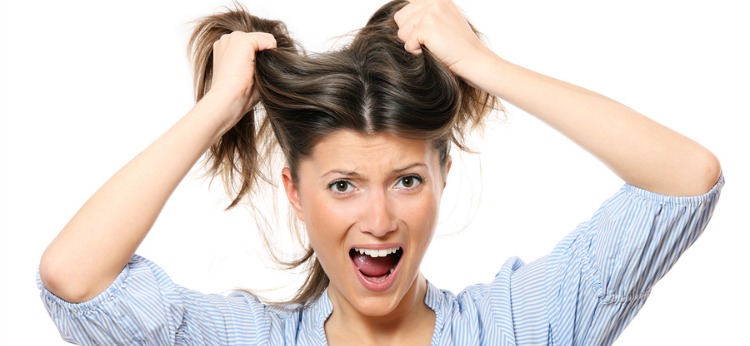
365 132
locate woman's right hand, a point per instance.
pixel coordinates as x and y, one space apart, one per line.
91 250
234 68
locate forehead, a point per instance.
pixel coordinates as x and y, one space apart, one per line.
354 151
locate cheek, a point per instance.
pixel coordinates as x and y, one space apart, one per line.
420 216
325 219
327 222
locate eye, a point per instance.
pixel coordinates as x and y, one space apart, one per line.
409 182
341 186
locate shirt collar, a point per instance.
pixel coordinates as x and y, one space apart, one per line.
322 308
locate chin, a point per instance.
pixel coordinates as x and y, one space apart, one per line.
379 306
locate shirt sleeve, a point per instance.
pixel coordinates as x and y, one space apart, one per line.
599 276
144 307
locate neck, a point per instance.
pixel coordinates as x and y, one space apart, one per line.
411 320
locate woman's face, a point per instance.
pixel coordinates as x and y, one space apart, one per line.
370 205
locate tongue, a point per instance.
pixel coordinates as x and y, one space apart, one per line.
374 266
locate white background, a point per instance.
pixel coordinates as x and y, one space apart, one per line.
86 85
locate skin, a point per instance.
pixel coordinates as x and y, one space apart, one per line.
90 251
364 191
640 151
94 246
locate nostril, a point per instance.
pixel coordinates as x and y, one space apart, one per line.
379 219
379 228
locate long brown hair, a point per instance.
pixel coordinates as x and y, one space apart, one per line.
372 85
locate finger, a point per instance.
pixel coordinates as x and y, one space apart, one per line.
410 39
262 40
258 40
413 47
404 33
408 15
401 15
408 32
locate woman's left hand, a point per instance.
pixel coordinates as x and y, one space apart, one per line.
440 26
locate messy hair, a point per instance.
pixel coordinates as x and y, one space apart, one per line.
371 85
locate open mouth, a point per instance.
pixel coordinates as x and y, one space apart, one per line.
376 265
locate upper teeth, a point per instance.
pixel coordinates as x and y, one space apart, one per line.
376 252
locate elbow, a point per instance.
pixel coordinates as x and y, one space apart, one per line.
709 169
60 281
694 173
715 169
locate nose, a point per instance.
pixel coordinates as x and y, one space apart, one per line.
378 218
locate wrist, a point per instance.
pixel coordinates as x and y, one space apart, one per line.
493 74
215 114
226 109
479 70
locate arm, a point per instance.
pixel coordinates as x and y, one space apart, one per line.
639 150
91 250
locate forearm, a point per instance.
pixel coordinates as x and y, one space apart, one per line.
639 150
98 241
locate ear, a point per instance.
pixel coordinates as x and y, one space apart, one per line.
448 164
292 192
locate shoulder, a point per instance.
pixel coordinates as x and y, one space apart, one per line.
144 304
480 313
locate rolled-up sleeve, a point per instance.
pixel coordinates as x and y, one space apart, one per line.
600 275
143 306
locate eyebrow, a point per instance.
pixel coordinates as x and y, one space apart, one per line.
411 166
354 174
341 172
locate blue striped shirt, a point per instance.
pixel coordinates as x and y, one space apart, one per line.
583 293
